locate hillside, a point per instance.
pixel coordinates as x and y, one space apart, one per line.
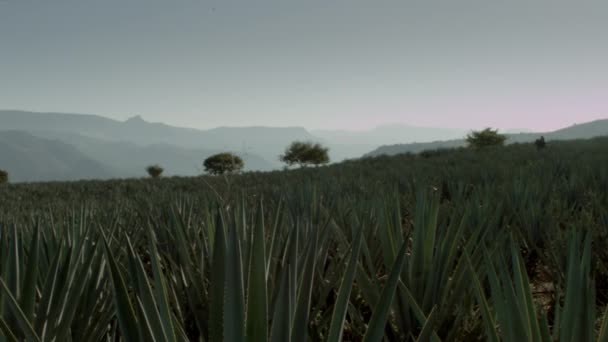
351 144
29 158
580 131
589 129
128 159
388 134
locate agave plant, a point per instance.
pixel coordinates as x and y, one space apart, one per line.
371 250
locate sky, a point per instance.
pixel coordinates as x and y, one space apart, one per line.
331 64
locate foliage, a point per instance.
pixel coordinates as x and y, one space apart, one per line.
540 143
155 171
305 153
222 163
3 177
366 250
485 138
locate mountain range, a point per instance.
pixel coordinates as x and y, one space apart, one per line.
262 141
58 146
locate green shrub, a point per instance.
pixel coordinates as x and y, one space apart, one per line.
305 153
155 171
540 143
221 163
486 138
3 177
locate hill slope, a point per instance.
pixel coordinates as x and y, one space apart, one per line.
129 160
29 158
388 134
351 144
581 131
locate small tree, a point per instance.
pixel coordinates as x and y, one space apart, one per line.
486 138
3 177
222 163
155 171
305 153
540 143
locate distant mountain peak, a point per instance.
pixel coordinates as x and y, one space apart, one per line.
135 119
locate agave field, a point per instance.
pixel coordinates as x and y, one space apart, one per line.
505 244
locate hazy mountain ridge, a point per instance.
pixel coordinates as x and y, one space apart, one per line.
110 148
122 149
265 142
387 134
29 158
579 131
353 144
255 142
128 159
346 144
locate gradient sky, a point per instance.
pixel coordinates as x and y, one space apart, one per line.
538 64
